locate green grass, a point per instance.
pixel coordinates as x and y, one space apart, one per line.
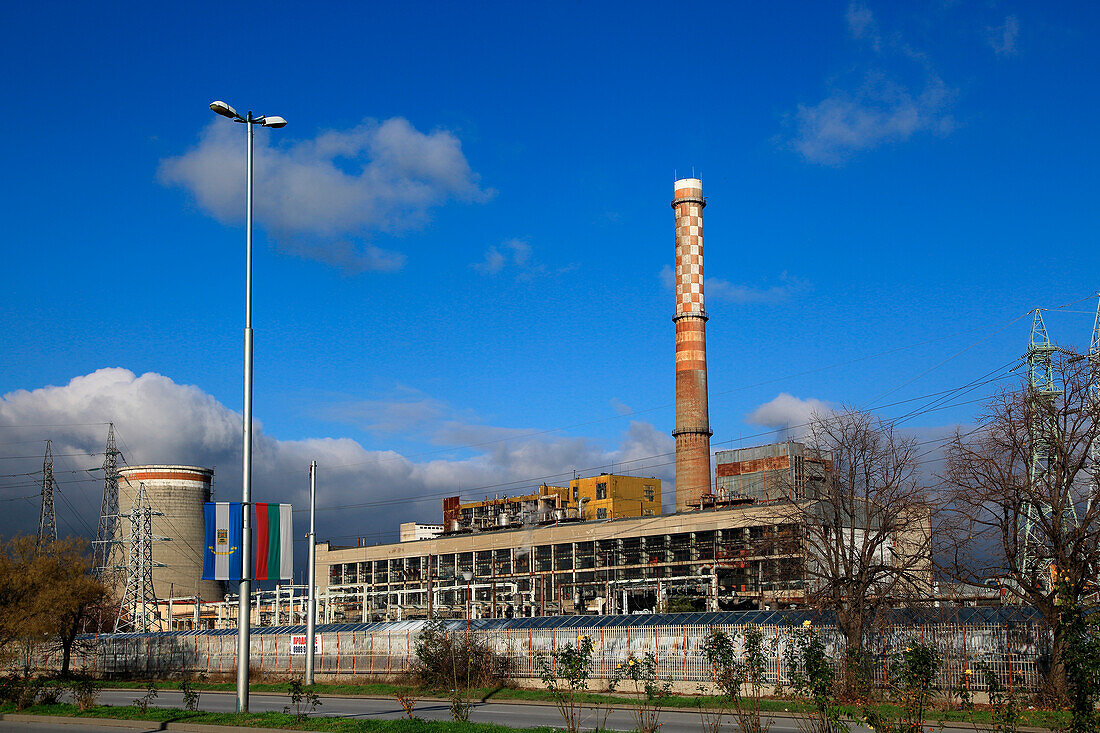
269 720
1055 719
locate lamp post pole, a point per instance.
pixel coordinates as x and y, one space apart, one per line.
311 606
244 591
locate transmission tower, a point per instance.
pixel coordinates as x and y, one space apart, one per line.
107 545
139 602
1041 392
47 522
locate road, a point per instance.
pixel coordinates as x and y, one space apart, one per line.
517 715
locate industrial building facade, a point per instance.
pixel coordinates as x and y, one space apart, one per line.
771 472
725 559
606 496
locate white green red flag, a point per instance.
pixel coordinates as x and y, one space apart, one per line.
274 542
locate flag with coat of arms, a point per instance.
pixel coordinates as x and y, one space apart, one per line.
273 541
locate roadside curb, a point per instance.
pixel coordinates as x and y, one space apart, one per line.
142 724
72 720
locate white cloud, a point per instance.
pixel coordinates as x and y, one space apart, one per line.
319 196
410 412
862 24
876 107
160 421
492 264
516 256
620 407
879 111
717 289
789 414
1002 38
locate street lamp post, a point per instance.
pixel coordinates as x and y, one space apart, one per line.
245 589
311 619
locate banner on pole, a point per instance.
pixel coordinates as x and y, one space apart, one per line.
221 557
274 542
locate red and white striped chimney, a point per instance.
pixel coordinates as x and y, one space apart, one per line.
692 431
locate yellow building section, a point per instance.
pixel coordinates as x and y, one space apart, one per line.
607 496
611 496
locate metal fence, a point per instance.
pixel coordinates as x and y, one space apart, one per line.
1017 651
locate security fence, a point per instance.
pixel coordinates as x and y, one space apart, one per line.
1015 644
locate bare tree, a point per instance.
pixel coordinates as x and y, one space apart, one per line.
1021 501
867 526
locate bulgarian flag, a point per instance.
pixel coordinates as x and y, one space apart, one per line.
274 542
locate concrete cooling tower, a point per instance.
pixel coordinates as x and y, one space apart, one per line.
178 492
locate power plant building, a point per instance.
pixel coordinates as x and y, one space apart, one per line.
606 496
738 538
771 472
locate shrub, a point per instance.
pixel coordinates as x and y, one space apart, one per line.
49 693
565 675
407 704
460 707
747 706
85 692
643 674
1005 706
912 676
10 687
303 700
190 695
455 659
142 703
28 693
812 675
734 679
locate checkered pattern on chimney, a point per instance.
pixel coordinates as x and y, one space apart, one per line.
692 432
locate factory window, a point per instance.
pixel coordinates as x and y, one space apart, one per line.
576 490
601 490
647 512
601 513
649 493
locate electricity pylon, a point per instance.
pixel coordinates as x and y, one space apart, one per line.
139 602
1042 391
106 550
47 522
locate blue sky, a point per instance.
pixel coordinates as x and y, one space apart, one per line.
462 231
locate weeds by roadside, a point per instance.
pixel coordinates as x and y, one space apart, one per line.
407 703
142 703
303 700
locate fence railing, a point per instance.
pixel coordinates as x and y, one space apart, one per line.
1017 652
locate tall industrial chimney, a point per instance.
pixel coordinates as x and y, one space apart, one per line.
692 431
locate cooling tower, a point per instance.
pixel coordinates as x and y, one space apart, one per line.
692 431
178 492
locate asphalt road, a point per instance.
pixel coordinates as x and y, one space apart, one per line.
512 714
